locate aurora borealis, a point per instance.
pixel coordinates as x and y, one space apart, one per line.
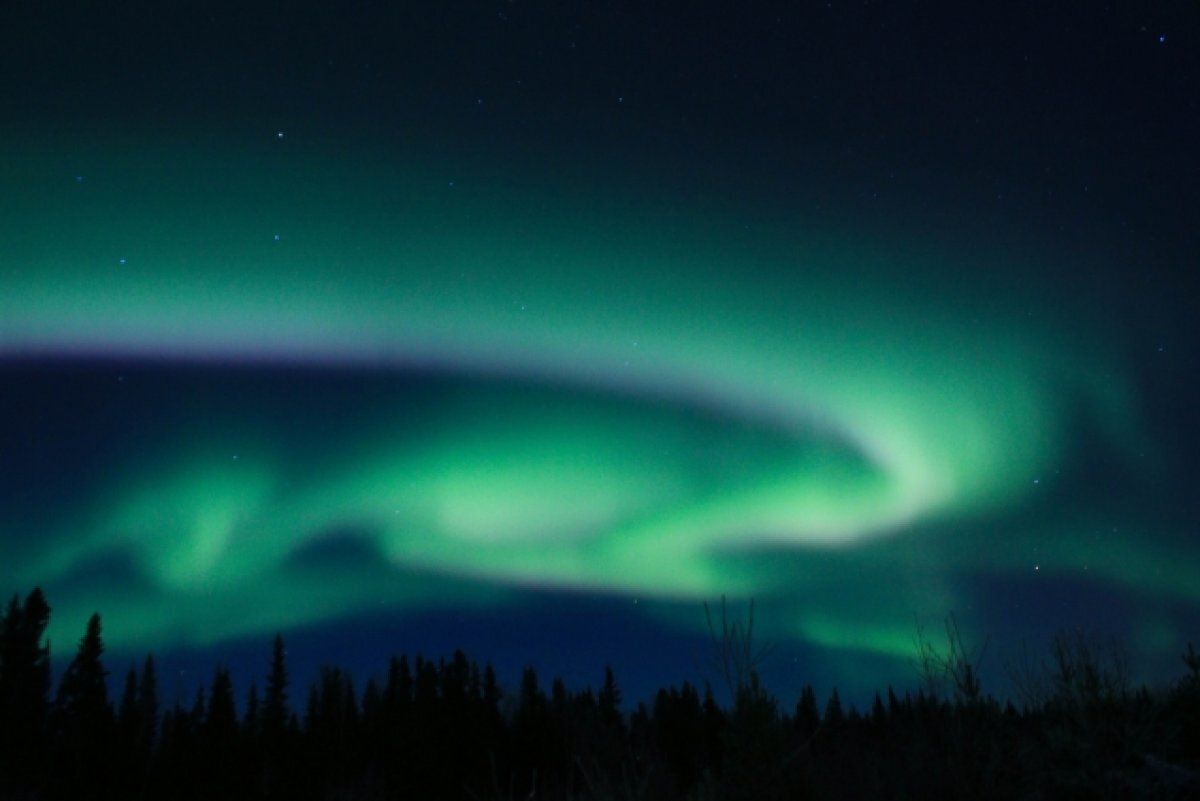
286 367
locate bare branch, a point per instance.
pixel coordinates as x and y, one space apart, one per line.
958 666
734 653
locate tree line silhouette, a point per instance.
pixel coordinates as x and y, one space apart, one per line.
446 729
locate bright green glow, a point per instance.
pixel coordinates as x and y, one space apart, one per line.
835 633
712 394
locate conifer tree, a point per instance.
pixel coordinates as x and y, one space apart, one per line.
25 661
83 721
252 721
610 700
220 725
807 716
82 704
454 679
137 720
491 688
878 711
24 689
275 713
834 715
398 691
532 701
196 716
127 709
372 713
148 704
425 686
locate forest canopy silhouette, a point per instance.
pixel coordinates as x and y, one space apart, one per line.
447 729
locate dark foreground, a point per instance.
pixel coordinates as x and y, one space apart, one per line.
446 730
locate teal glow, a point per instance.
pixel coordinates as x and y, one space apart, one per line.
664 403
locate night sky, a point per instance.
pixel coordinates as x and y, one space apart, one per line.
527 327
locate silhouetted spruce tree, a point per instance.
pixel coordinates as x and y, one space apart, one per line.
372 721
148 703
398 691
495 728
479 730
834 715
475 684
127 709
331 728
560 699
1185 703
829 738
879 717
714 728
428 768
220 722
586 733
372 699
24 692
598 732
454 681
894 705
175 770
278 773
220 771
679 747
252 720
137 723
275 710
128 763
425 686
752 763
450 731
166 753
564 736
609 702
83 720
83 694
399 734
199 705
184 774
807 718
534 749
491 688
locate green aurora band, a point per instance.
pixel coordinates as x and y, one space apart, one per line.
663 404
